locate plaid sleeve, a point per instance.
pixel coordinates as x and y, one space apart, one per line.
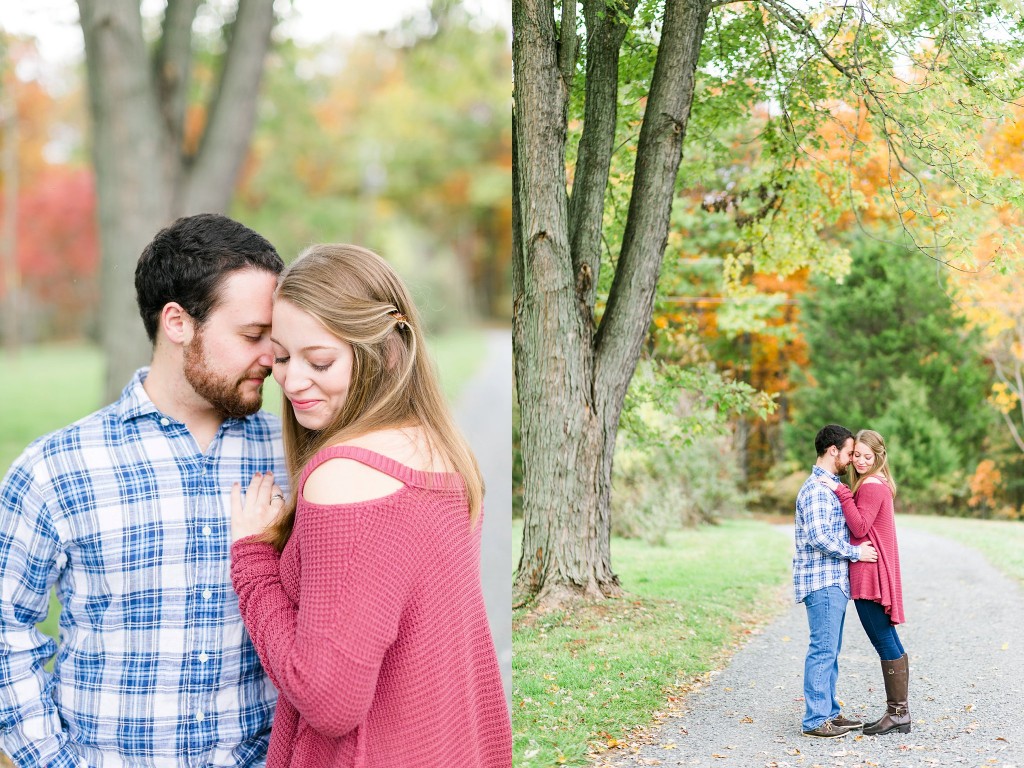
818 526
29 548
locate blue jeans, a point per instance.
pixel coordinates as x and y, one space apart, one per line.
879 629
826 612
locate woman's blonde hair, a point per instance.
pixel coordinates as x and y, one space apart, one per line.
874 441
359 298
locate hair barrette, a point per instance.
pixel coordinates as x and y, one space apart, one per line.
401 320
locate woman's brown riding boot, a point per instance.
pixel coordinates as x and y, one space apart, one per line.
897 717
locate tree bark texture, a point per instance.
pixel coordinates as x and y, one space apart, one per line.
144 180
572 377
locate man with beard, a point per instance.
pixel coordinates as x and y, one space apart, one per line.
821 580
127 512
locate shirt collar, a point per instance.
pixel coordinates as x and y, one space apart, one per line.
816 470
134 400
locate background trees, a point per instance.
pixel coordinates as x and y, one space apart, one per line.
887 349
399 139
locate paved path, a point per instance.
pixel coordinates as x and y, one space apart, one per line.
484 413
965 638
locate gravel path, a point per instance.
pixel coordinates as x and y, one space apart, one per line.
965 638
484 415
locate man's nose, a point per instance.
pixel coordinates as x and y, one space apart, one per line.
266 357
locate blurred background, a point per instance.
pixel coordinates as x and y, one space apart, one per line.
384 124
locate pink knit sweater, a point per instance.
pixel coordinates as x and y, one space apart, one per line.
371 624
870 516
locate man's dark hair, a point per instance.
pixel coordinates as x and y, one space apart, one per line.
187 262
831 434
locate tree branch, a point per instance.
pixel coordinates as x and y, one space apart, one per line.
568 43
232 112
606 29
172 64
659 151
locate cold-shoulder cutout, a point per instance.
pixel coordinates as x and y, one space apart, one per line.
347 481
873 481
347 474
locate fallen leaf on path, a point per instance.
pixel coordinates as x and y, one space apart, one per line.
793 751
785 638
747 719
1006 647
968 708
715 754
670 745
1000 738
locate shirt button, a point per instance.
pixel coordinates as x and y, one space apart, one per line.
204 657
165 422
200 716
207 530
207 594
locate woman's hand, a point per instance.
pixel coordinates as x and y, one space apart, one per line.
828 482
264 501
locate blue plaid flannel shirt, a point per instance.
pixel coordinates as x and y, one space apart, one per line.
131 521
822 539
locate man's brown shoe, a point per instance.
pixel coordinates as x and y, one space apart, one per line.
846 722
828 731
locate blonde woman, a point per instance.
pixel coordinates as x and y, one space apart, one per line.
362 592
876 588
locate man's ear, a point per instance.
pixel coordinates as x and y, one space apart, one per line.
177 324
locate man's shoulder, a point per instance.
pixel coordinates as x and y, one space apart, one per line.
98 422
70 439
264 423
813 491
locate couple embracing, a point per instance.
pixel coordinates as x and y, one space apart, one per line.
332 617
846 547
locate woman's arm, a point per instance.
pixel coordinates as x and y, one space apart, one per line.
860 517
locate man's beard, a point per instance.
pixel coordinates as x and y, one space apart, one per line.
224 395
841 468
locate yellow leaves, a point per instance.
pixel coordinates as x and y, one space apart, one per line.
985 484
1003 398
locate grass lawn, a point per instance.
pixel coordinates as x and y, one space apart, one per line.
582 682
48 387
1001 542
45 388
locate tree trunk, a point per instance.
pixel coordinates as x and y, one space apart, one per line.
572 381
143 179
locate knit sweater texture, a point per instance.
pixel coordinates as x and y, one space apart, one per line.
371 624
870 517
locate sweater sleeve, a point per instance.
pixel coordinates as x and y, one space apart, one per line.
262 602
860 517
325 654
